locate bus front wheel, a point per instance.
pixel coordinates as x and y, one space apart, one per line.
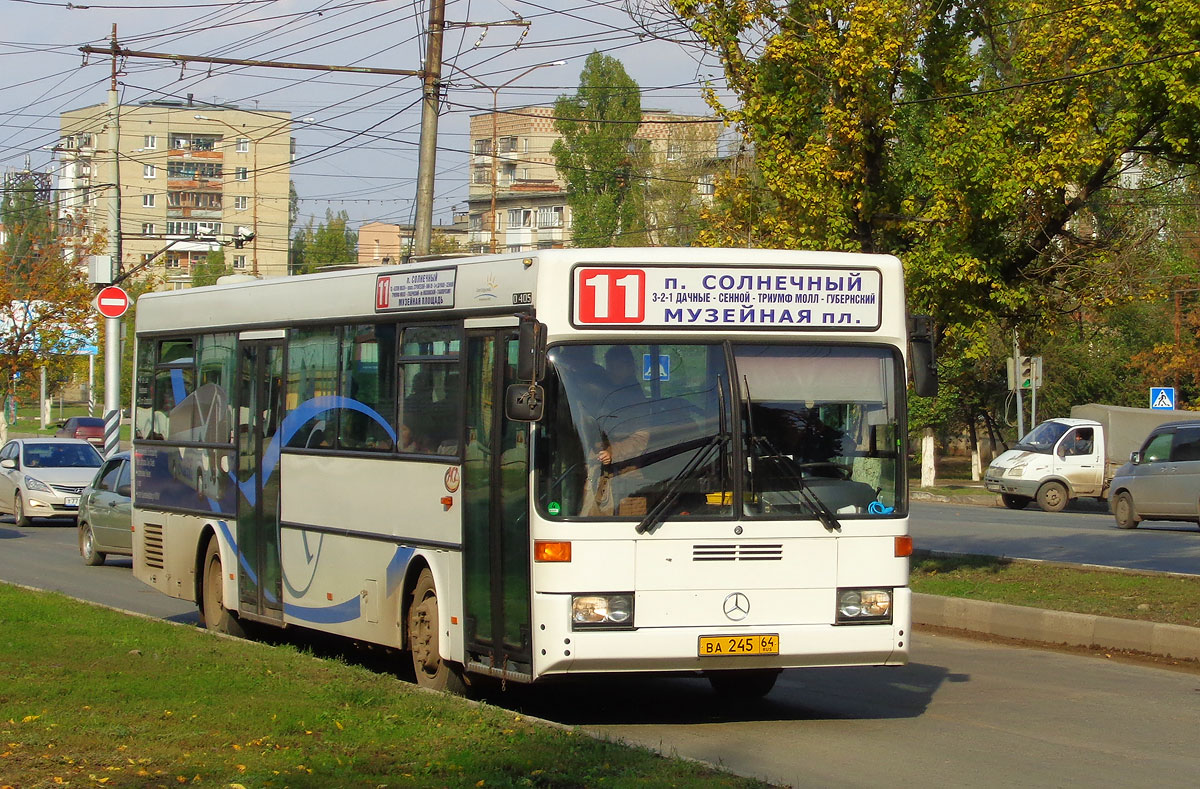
423 640
212 609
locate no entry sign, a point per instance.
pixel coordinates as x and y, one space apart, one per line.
112 302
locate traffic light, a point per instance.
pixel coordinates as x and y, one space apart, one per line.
1025 372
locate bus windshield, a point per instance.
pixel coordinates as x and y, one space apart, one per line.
628 425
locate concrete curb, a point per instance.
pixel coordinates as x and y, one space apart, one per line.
1056 627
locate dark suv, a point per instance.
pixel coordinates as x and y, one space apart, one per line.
89 428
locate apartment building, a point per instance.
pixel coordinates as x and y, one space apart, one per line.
194 178
518 202
383 243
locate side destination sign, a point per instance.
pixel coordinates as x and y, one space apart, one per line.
698 297
415 290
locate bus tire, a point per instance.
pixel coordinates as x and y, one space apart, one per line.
743 684
212 608
1123 511
87 547
423 641
1052 497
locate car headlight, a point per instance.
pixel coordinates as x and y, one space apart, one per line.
602 611
1016 471
36 484
865 606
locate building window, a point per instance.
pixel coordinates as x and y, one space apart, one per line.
375 255
243 145
239 261
148 200
239 202
508 144
475 222
707 185
147 228
150 142
148 171
508 174
520 217
483 147
241 174
550 216
481 175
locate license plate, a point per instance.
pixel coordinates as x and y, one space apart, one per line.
71 501
714 646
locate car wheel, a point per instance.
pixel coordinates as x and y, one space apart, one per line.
19 512
1052 497
432 672
1013 501
87 547
743 684
212 609
1124 512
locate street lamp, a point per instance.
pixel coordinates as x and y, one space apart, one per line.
495 110
254 141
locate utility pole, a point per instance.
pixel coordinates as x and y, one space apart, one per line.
427 156
112 326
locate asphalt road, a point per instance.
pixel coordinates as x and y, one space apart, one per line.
962 713
1076 535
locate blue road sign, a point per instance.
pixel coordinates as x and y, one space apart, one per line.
664 367
1162 397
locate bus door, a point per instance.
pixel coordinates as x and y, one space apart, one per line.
260 409
496 592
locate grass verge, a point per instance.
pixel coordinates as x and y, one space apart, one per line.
1155 598
92 697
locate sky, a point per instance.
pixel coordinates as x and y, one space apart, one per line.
359 153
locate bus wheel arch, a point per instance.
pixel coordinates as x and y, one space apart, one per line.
212 604
422 636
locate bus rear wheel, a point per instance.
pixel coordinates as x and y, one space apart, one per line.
423 640
212 608
743 684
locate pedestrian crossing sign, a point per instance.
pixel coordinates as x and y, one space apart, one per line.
1162 397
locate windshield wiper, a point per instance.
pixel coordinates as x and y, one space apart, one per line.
688 473
813 501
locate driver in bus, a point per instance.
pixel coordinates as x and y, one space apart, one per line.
621 416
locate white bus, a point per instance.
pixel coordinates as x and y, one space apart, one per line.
561 462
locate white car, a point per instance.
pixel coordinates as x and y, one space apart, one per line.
43 477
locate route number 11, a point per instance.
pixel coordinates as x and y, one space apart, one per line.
611 295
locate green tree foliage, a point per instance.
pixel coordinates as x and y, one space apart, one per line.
208 272
1011 153
46 313
329 243
599 156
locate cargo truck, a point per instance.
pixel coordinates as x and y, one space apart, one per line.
1064 459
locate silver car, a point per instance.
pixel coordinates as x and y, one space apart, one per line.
105 519
44 477
1161 481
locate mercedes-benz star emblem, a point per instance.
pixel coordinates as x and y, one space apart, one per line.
736 606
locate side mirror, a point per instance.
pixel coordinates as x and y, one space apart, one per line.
524 402
1135 457
924 358
531 351
124 490
8 463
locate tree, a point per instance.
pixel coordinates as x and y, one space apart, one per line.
599 156
46 314
975 138
212 269
330 243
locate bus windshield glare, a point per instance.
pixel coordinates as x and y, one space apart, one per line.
629 426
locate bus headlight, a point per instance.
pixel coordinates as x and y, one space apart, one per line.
602 611
865 606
